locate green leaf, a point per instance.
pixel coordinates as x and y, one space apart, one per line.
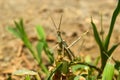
96 35
112 49
108 72
41 33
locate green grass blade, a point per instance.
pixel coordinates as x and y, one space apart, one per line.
22 25
112 49
42 37
96 35
19 31
41 33
102 31
24 35
42 45
17 25
39 48
114 16
108 72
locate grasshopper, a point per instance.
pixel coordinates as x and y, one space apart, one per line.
64 49
63 46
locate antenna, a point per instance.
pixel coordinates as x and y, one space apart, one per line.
60 22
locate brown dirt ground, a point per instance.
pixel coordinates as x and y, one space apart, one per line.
76 20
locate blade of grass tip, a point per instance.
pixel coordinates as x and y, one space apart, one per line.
22 33
14 31
114 16
21 24
112 49
100 44
108 72
96 35
40 32
17 25
18 29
